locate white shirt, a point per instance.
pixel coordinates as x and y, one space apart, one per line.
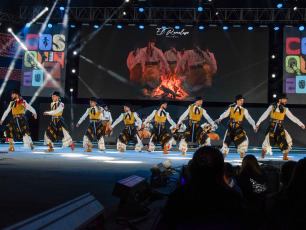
120 118
246 115
152 115
207 117
26 105
106 116
87 113
288 114
60 108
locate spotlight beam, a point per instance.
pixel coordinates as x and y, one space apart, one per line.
44 25
93 34
110 72
38 16
48 76
9 72
87 86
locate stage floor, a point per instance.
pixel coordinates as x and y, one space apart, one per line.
32 182
112 156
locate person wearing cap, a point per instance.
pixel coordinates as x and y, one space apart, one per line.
134 66
235 131
151 59
107 119
18 128
178 133
194 132
276 135
57 129
95 130
160 134
196 58
129 133
172 56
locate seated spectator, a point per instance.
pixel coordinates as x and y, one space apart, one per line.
252 180
229 178
289 212
206 202
285 176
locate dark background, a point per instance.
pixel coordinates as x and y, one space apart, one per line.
242 60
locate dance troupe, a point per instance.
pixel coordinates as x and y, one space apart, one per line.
101 125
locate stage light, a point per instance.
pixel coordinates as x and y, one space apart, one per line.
201 27
119 26
295 8
141 27
274 95
276 28
124 13
164 27
127 0
72 26
75 52
273 75
225 27
46 8
62 8
177 27
250 28
200 8
9 30
301 28
50 25
141 9
279 5
71 90
273 56
96 26
73 70
28 25
217 13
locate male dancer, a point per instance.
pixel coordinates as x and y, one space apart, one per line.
18 127
172 56
194 132
130 132
235 131
145 131
57 128
160 133
178 133
107 119
276 135
95 129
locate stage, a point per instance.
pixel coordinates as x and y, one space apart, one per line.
32 182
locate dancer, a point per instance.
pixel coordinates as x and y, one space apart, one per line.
134 66
178 133
145 131
57 129
194 132
151 59
18 128
196 58
207 68
276 135
130 132
107 119
172 56
235 131
160 133
95 130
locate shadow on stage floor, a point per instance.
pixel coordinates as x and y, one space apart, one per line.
32 182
